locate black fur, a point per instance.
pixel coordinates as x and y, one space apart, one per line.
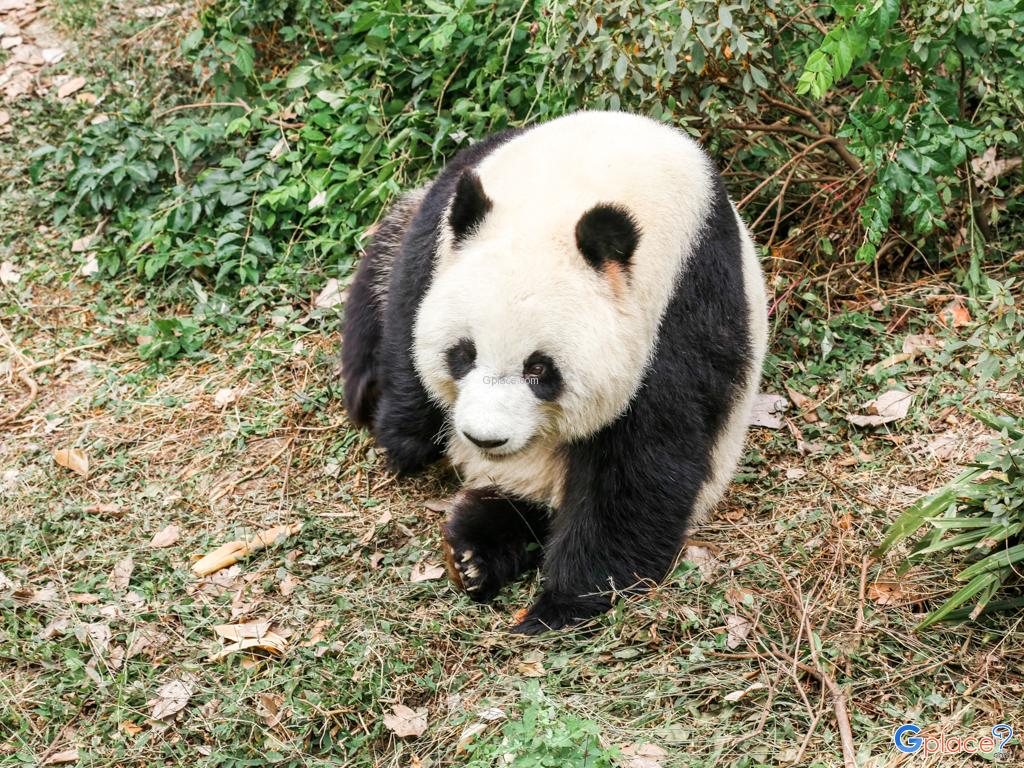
460 358
469 207
498 536
381 385
630 488
548 386
607 233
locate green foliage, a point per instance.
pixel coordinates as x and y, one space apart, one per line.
980 514
304 118
542 737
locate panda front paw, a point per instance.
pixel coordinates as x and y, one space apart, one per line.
554 611
480 574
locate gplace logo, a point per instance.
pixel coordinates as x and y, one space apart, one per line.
907 740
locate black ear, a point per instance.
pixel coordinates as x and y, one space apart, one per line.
469 207
607 233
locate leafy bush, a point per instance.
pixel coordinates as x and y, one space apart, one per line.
844 129
979 514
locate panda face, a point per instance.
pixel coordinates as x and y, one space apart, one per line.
523 339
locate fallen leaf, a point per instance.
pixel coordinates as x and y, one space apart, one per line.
703 558
225 396
766 409
62 758
888 407
796 473
737 628
53 55
74 459
270 709
121 575
98 635
317 634
7 43
73 85
804 403
53 629
889 593
318 201
943 447
171 698
236 632
438 505
643 755
33 596
531 665
5 118
103 509
330 296
988 167
8 274
405 722
233 551
131 728
271 642
165 537
82 244
916 343
737 596
954 315
287 585
889 362
91 266
84 598
375 560
737 695
426 572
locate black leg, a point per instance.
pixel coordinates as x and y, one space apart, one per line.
490 539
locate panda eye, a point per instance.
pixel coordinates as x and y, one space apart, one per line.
543 376
460 358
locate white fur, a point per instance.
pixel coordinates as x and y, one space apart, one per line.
520 285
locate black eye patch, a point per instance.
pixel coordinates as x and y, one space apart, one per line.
543 376
460 358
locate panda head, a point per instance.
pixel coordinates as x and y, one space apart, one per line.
528 331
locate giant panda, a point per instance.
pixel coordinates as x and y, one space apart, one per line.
574 314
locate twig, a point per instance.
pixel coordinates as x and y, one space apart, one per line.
205 105
834 141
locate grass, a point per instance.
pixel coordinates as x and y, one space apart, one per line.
705 670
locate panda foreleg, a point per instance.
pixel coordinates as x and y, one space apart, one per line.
490 539
617 533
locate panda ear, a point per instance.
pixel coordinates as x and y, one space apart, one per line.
607 234
469 206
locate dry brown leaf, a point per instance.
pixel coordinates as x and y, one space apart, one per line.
73 85
224 397
84 598
804 403
270 642
426 572
165 537
8 274
889 362
330 296
74 459
737 627
103 509
737 695
887 407
317 634
236 632
954 315
766 410
643 755
121 574
53 629
287 585
889 593
233 551
62 758
531 665
171 698
82 244
703 558
375 560
131 728
405 722
438 505
988 167
916 343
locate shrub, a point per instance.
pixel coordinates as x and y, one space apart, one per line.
877 130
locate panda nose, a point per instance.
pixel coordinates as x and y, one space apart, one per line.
484 443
